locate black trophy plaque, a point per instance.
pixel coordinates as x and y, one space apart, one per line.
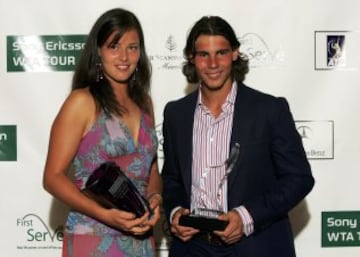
110 187
203 223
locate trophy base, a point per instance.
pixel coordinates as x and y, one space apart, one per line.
203 223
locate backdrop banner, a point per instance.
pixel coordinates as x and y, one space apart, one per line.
307 51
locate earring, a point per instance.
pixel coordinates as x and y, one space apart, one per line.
134 74
133 79
99 72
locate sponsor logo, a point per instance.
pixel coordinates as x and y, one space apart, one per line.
259 53
171 44
8 143
160 137
340 228
36 234
170 57
317 138
336 50
160 152
43 53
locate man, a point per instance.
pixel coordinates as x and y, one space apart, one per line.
270 173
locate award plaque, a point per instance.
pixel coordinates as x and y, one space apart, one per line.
110 187
203 223
206 219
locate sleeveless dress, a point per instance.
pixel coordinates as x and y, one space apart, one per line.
110 140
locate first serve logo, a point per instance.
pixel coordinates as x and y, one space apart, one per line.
38 235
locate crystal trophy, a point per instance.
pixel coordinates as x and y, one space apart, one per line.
206 219
109 186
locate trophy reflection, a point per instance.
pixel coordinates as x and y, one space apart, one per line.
209 203
109 186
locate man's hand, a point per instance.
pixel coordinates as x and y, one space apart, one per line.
182 232
234 230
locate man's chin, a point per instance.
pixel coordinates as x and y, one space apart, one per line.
213 86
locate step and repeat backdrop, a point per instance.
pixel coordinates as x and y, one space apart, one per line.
307 51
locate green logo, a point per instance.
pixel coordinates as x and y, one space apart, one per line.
340 228
44 53
8 148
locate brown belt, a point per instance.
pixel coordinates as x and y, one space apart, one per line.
210 238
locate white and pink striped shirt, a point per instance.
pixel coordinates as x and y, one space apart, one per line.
211 142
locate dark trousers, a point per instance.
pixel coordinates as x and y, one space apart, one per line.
199 248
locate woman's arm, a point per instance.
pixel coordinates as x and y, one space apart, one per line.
75 118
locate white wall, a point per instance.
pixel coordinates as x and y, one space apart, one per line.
284 40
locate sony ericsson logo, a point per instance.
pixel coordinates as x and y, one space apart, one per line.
169 59
36 231
8 143
258 51
3 138
340 229
38 53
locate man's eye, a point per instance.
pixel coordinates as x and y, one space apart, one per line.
201 54
223 52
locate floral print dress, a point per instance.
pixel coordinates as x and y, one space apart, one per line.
110 140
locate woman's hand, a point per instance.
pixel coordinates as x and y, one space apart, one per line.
127 221
155 201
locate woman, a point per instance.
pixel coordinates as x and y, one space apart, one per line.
108 116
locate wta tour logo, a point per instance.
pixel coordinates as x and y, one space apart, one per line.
340 228
39 53
335 50
8 143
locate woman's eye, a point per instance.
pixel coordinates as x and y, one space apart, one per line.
134 48
114 46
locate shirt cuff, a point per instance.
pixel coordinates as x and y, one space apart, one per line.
173 212
247 220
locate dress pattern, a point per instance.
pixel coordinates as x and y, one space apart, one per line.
109 139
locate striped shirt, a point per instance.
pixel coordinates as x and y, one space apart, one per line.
211 142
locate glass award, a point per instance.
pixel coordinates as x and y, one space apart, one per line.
205 219
109 186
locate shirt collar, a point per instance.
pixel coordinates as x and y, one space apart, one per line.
230 99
